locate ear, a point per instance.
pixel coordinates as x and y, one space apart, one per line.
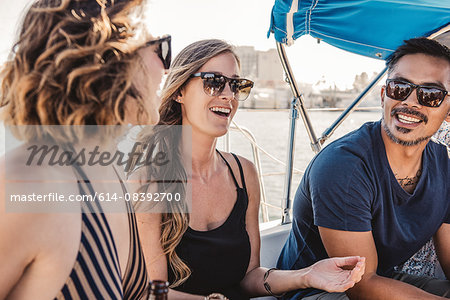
179 97
382 95
448 116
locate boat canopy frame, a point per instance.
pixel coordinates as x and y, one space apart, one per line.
342 24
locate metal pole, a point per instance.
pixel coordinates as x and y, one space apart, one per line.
297 106
286 214
257 160
440 32
315 145
330 130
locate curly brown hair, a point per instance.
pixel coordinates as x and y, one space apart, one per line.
72 64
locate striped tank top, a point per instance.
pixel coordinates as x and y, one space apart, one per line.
96 272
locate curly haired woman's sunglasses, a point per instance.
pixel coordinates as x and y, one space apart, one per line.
164 50
214 84
400 90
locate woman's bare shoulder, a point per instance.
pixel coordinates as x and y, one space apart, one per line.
27 187
248 166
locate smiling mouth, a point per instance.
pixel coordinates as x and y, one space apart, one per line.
408 119
221 111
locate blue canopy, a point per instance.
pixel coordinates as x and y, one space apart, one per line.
372 28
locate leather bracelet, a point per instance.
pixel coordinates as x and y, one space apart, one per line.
267 286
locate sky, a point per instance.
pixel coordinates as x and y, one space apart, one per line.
240 22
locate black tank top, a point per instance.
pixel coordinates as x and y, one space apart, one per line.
218 258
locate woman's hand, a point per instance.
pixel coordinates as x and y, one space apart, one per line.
216 296
336 274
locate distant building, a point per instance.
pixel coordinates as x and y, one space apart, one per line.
260 66
269 67
271 91
264 68
249 61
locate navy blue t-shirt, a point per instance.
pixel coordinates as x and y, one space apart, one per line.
350 186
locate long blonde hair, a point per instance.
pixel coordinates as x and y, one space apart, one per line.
188 61
72 64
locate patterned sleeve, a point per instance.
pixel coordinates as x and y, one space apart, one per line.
443 134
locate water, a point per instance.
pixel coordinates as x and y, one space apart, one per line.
271 129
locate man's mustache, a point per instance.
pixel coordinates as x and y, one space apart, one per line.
409 111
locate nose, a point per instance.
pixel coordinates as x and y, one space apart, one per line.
227 93
412 100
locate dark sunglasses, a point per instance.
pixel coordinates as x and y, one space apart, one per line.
164 50
214 84
430 96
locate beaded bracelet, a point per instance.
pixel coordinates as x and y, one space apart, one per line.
267 286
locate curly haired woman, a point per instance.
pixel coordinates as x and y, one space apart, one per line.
76 62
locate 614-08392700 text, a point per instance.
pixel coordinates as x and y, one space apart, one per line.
104 197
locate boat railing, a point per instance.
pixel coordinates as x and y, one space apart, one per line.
256 151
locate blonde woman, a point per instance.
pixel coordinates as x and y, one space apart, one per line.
76 62
215 248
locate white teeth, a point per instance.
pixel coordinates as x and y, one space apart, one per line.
407 120
221 109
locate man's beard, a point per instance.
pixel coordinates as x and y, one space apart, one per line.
403 130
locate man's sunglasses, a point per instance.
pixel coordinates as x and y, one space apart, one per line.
214 84
164 50
400 90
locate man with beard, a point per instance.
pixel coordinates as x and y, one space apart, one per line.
383 190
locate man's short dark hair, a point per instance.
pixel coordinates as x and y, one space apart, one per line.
415 46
